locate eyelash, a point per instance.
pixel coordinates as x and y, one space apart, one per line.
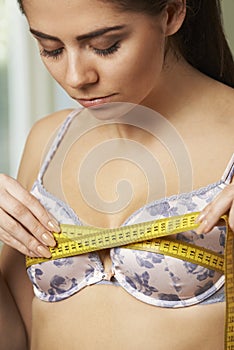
105 52
109 51
51 54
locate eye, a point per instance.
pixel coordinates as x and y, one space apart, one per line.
108 51
51 54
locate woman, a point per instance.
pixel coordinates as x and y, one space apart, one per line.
171 60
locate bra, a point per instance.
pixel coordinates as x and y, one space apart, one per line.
150 277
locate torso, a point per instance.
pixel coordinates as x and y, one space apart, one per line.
106 316
101 317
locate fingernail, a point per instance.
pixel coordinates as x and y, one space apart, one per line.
54 225
202 227
200 218
48 239
44 252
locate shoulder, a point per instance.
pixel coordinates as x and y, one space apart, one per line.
226 100
40 137
221 98
220 106
224 111
222 123
48 125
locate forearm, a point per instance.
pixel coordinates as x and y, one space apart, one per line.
12 332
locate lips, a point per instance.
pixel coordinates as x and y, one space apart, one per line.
94 102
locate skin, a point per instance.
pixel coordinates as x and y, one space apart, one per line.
195 100
83 69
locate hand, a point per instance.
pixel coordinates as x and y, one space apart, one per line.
222 204
24 223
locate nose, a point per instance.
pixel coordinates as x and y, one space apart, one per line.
80 71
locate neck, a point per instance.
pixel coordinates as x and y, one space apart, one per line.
178 88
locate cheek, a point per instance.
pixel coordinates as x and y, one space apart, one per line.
55 69
138 67
151 58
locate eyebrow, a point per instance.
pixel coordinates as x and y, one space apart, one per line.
89 35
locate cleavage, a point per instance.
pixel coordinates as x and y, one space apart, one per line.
104 256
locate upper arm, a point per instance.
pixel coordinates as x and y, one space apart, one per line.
13 269
12 263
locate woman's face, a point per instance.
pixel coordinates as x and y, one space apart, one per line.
97 53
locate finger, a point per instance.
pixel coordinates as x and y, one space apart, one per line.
17 245
21 248
13 243
16 236
28 200
24 216
211 214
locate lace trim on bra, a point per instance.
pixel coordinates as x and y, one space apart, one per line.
39 185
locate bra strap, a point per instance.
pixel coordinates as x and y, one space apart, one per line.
229 172
55 144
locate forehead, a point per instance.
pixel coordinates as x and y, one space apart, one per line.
62 13
67 17
69 8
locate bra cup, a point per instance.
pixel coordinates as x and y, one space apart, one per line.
162 280
153 278
56 280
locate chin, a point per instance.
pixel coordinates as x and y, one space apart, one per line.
113 111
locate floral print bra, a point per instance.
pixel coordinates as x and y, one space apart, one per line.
150 277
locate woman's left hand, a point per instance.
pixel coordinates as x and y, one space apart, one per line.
222 204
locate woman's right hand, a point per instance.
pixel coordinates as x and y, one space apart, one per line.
25 225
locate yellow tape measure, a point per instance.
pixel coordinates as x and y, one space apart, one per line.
150 236
76 240
184 251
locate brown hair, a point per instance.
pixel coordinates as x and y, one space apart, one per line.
200 40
